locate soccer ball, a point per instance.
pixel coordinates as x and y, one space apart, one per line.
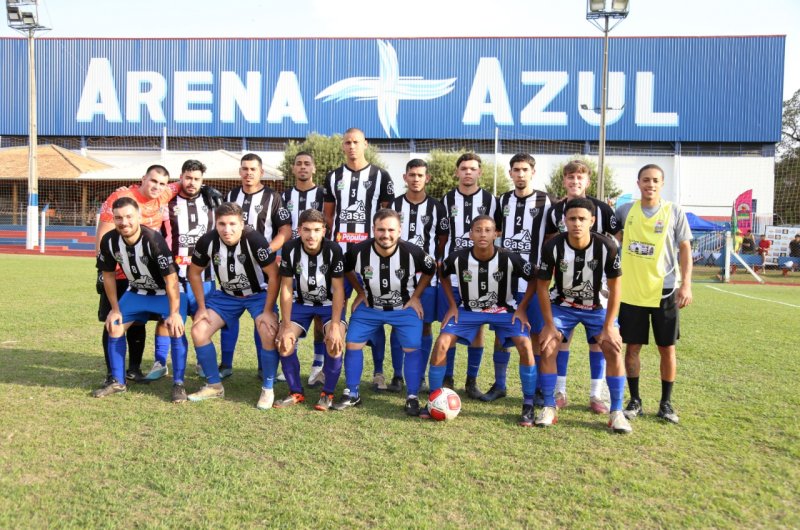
444 404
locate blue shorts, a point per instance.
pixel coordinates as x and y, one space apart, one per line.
470 322
208 288
534 312
303 315
140 307
348 288
566 318
230 308
365 321
441 301
429 300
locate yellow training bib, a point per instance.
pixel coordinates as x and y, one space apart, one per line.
644 255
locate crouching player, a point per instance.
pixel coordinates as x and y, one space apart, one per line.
586 291
485 286
390 295
315 266
144 257
244 265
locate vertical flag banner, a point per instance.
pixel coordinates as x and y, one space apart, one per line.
743 209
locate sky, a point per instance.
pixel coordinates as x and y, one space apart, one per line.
418 18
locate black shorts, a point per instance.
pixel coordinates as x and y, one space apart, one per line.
634 322
105 306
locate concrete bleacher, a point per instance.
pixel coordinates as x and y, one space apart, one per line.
66 238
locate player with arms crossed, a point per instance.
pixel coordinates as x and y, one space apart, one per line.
390 295
244 265
587 272
147 262
484 274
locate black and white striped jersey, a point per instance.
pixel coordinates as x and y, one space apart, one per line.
188 219
263 210
389 281
296 202
462 209
522 231
605 221
356 196
580 274
312 275
145 263
422 223
486 286
238 269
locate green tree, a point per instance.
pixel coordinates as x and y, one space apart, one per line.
442 168
787 167
327 152
556 185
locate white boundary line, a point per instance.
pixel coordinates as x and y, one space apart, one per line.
752 297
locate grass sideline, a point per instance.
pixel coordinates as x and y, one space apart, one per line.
71 461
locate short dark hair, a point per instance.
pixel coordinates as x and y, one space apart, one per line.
250 157
468 156
416 162
650 166
125 201
229 208
311 216
385 213
158 168
522 157
303 153
352 130
483 217
581 202
193 165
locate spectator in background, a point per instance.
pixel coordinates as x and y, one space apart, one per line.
763 250
794 247
748 245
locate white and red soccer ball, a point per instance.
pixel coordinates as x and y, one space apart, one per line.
444 404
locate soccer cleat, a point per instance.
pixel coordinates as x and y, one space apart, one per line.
225 371
396 385
618 423
379 383
207 392
325 402
280 378
471 388
266 399
495 392
665 412
424 413
135 375
412 407
316 377
633 409
200 372
109 380
561 400
449 382
538 398
526 418
547 416
156 372
179 393
597 405
288 401
347 402
108 389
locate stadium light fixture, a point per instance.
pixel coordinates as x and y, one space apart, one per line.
23 16
605 10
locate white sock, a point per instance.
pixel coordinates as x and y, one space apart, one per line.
596 388
561 384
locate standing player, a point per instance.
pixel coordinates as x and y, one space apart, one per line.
353 193
244 265
390 295
303 196
312 287
484 282
263 210
424 223
144 257
586 291
655 237
576 180
463 204
523 212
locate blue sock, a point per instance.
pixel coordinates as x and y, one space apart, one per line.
178 354
451 363
332 368
291 369
259 347
538 359
353 368
501 358
185 343
562 360
548 388
207 357
597 364
427 345
397 354
436 377
412 372
319 354
474 358
527 377
162 349
228 336
117 347
616 389
378 345
269 363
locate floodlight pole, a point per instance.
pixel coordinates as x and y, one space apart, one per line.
33 172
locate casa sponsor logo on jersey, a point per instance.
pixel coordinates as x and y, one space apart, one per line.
392 298
484 302
240 283
320 294
190 238
584 291
419 241
145 283
355 213
462 242
518 243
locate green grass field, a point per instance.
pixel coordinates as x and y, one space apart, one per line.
67 460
